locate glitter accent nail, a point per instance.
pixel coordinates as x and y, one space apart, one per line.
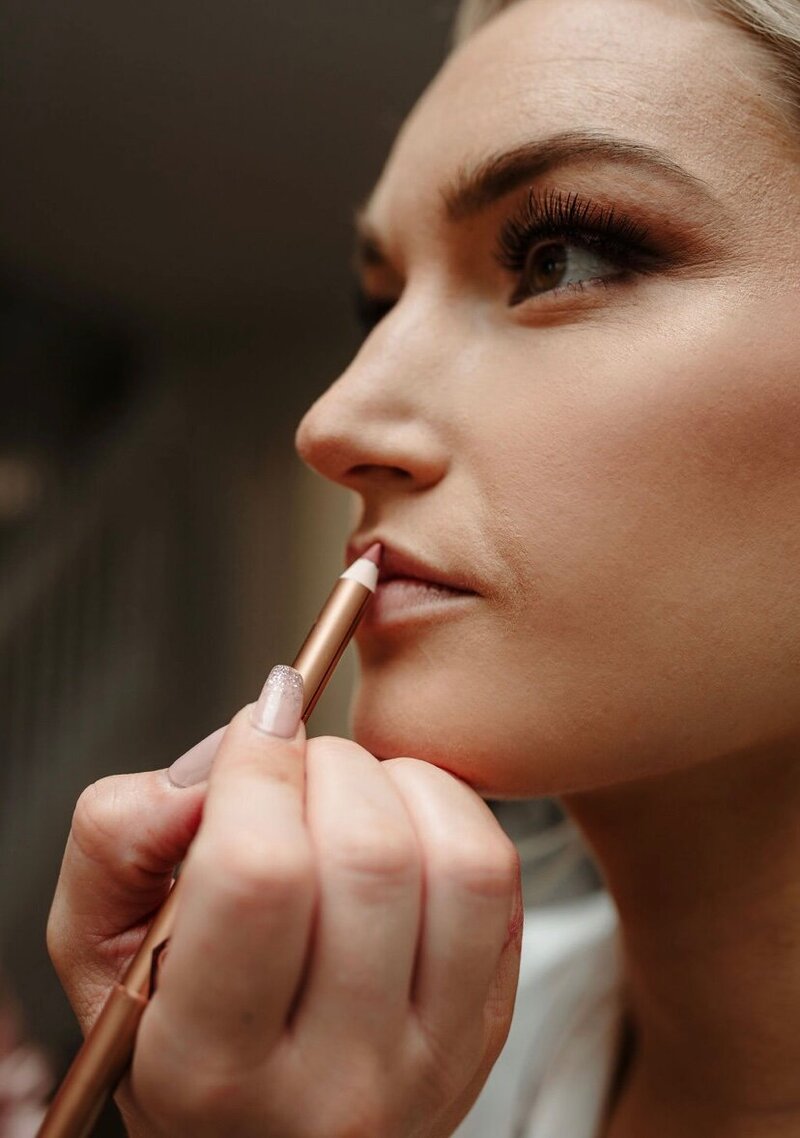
280 706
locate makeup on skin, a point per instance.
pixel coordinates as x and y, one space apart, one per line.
410 590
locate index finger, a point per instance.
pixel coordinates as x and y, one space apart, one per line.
247 894
264 742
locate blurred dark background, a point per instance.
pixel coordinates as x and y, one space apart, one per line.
178 183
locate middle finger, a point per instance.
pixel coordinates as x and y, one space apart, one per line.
369 880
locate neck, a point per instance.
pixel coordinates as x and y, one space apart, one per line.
704 866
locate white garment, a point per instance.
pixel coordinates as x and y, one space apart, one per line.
553 1076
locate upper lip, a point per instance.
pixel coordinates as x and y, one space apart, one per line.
396 563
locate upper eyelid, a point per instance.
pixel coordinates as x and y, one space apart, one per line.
574 208
370 253
667 241
689 246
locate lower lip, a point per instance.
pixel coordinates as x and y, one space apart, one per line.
406 599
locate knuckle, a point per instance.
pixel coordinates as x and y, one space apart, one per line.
379 852
185 1080
214 1096
359 1121
362 1110
329 747
247 871
247 768
487 869
96 817
209 1098
404 762
446 1061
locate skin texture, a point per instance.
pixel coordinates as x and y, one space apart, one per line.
345 951
619 471
615 471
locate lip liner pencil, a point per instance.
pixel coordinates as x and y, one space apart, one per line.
108 1047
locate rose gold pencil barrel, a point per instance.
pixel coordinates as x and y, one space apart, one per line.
331 632
108 1047
99 1066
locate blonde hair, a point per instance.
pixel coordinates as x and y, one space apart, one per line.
774 23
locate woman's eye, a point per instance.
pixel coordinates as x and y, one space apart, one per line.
551 265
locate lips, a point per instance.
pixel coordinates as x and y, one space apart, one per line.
399 565
411 591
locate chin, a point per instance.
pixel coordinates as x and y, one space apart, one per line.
526 740
464 734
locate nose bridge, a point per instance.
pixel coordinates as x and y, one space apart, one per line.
389 369
382 411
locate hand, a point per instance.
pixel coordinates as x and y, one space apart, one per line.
346 948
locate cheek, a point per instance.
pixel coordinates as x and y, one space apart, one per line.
646 500
663 524
674 474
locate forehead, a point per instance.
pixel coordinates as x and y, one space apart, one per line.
666 73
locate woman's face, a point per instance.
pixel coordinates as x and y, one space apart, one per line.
581 405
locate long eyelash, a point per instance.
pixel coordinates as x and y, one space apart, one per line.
551 213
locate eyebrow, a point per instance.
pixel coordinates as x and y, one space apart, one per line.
477 187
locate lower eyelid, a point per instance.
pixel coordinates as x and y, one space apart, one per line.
576 289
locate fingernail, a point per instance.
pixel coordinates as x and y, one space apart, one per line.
195 765
279 708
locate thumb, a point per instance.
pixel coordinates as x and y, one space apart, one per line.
128 833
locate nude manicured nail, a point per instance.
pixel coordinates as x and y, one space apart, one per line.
195 765
280 706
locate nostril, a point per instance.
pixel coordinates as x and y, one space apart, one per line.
373 471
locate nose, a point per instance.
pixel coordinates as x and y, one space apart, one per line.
377 426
